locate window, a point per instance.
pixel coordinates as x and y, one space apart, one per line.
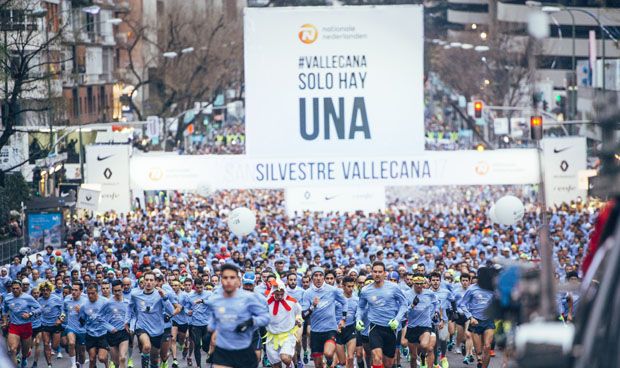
16 20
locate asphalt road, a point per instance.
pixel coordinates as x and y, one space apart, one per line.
456 361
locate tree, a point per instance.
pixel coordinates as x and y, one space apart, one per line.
504 66
208 61
13 191
27 65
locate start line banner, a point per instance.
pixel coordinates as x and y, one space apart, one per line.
156 171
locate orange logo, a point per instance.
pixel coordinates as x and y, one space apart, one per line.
308 34
156 174
482 168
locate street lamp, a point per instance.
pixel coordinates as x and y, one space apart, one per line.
481 48
170 55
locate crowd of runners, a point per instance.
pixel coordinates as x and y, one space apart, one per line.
400 287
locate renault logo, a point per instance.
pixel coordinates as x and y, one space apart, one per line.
564 165
107 173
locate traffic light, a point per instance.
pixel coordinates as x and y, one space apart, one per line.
536 128
478 109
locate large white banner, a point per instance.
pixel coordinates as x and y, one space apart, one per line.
334 81
564 158
108 165
334 198
169 171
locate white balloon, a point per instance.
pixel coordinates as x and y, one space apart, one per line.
509 210
241 221
24 251
492 216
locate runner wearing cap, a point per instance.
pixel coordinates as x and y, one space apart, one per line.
385 305
234 314
285 320
420 333
18 310
248 283
319 302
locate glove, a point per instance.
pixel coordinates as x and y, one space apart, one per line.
166 318
82 321
359 325
243 326
393 324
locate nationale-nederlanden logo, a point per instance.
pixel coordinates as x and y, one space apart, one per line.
308 33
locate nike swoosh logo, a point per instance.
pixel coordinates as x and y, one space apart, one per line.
555 150
99 158
330 198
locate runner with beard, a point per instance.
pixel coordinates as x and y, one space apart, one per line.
296 292
345 340
385 305
172 296
319 303
233 315
18 310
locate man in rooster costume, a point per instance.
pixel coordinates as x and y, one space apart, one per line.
282 331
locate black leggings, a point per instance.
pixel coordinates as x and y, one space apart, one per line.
202 338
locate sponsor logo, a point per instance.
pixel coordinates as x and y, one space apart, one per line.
308 33
556 150
307 195
107 173
329 198
482 168
564 166
156 174
99 158
88 198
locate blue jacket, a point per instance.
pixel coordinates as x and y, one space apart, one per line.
226 313
148 311
475 302
382 304
15 307
324 317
